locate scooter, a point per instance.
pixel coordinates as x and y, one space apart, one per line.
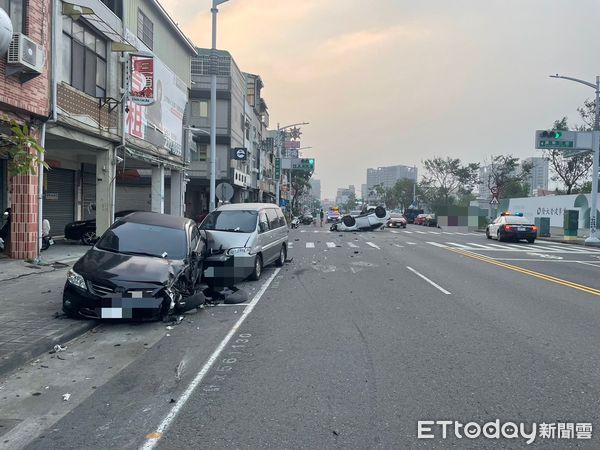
47 240
295 223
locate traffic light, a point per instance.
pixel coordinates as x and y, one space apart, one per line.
552 134
311 162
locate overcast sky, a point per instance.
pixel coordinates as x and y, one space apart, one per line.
386 82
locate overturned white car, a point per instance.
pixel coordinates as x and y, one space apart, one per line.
372 219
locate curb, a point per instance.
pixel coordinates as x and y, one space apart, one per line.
30 352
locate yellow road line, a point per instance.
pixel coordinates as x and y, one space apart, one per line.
542 276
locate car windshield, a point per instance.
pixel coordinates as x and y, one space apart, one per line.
516 220
232 221
143 239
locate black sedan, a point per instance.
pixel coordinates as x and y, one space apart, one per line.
146 266
85 230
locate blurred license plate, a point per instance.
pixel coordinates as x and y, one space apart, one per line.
521 229
111 313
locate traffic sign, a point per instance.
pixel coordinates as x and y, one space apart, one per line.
277 168
303 164
494 201
563 140
240 153
494 190
224 192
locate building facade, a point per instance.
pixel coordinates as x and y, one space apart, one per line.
538 177
389 175
242 122
24 98
315 188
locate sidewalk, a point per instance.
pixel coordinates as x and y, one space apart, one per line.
31 319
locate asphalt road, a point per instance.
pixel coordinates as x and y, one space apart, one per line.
351 344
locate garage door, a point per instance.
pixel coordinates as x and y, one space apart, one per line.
138 198
59 199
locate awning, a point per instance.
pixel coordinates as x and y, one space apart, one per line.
102 19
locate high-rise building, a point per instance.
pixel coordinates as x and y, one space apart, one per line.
315 188
388 176
538 177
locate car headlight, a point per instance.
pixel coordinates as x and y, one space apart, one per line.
76 280
239 251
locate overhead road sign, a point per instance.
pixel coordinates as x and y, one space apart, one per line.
559 140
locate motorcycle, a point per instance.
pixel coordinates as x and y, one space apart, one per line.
47 240
295 223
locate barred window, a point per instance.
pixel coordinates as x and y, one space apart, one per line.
145 29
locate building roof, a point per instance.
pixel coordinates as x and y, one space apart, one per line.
175 26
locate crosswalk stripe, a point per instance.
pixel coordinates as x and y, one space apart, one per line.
399 246
504 247
331 244
446 232
290 245
373 245
477 245
408 232
459 245
420 232
437 244
433 232
352 245
394 231
310 245
411 243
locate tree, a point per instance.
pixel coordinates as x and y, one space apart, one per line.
21 148
445 180
571 172
507 175
300 185
404 192
350 204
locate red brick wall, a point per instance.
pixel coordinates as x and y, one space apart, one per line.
24 225
32 96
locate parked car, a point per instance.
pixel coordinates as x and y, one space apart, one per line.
396 221
306 219
244 238
411 214
420 219
85 230
145 266
430 220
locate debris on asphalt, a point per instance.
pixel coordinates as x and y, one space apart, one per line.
91 357
44 367
169 327
335 432
356 252
61 358
179 370
168 335
66 397
58 348
172 400
117 345
35 394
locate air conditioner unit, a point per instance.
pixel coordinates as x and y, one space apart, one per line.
25 56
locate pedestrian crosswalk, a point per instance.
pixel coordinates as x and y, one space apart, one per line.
403 231
484 246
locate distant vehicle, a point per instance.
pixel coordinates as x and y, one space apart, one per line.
430 220
145 266
513 227
396 221
411 214
376 218
243 239
85 230
295 223
333 215
306 219
420 219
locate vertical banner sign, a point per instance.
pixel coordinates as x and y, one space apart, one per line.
142 80
277 168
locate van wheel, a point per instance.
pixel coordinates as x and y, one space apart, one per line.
258 267
282 257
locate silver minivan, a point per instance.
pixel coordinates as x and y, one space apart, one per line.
244 238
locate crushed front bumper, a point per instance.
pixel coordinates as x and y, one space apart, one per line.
227 270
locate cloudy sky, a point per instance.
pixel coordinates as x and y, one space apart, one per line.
386 82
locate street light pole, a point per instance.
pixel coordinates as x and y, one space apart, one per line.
213 105
593 238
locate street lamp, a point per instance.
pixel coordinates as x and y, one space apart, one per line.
279 145
213 106
593 238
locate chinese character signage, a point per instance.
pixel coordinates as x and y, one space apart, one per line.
142 80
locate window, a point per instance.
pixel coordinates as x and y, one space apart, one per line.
200 109
273 219
145 29
16 10
232 221
201 154
83 58
263 222
282 221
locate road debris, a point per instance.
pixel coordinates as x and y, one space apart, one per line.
66 397
58 348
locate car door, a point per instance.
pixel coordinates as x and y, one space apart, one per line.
262 239
496 226
272 247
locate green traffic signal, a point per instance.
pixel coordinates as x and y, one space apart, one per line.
311 162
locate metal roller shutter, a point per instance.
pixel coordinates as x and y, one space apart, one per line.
88 186
59 199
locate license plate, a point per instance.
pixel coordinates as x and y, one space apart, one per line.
111 313
521 229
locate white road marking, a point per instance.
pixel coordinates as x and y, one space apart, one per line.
563 249
352 245
588 263
411 243
394 231
504 247
420 232
331 244
433 232
290 245
373 245
184 397
437 244
437 286
459 245
399 246
477 245
406 231
310 245
446 232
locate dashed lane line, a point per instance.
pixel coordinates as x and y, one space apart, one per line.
310 245
374 245
331 244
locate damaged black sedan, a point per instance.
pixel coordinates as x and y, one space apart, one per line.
145 266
